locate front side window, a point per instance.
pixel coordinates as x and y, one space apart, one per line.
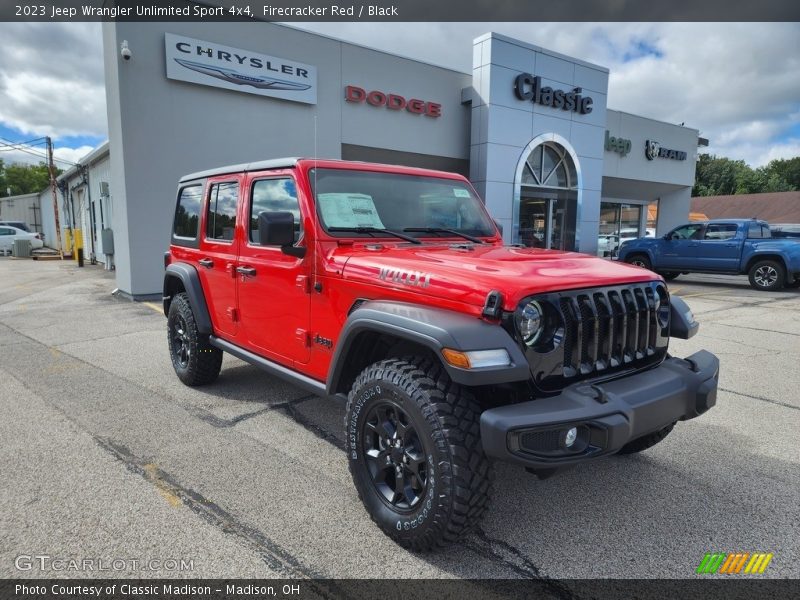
355 199
221 217
687 232
720 231
274 195
187 213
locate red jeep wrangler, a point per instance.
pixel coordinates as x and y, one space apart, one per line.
391 288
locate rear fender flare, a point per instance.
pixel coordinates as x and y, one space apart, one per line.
190 279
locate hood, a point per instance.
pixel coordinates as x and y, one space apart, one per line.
466 273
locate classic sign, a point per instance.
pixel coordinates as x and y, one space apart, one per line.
529 87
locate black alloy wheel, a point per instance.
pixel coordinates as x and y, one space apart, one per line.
181 347
395 456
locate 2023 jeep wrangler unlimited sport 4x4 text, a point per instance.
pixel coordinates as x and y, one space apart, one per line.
390 287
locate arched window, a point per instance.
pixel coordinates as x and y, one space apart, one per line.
549 165
548 193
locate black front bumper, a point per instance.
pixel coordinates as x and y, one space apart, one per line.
605 416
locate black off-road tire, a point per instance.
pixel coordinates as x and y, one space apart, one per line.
669 275
640 260
445 418
767 276
647 441
196 362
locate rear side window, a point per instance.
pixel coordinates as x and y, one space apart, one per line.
720 231
187 213
221 218
274 195
758 230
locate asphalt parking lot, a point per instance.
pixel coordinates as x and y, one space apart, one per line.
106 455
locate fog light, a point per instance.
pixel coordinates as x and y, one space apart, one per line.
572 435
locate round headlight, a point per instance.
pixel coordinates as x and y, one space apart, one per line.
530 321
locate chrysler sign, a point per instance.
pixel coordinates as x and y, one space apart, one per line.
240 70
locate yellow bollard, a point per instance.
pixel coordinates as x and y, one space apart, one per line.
77 253
68 243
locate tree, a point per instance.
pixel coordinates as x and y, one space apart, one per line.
24 179
720 176
787 169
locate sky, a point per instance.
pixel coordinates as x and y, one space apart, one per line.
738 83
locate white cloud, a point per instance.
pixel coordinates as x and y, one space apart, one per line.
63 157
51 79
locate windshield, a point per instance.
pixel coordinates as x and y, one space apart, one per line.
365 199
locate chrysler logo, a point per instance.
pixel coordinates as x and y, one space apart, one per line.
231 76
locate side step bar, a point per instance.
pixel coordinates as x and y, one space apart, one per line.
273 368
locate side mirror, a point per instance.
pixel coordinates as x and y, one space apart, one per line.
277 229
668 236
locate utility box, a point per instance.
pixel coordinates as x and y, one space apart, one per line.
107 239
22 248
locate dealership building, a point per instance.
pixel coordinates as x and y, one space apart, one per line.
529 127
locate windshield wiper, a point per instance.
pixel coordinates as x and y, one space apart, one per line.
471 238
402 236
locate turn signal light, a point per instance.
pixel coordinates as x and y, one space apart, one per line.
456 358
475 359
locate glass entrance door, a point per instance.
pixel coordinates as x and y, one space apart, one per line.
545 222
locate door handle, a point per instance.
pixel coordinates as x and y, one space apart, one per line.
206 262
246 271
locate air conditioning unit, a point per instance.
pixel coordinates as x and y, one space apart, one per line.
22 248
104 189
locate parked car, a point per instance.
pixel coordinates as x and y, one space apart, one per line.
390 288
17 224
9 234
729 246
607 244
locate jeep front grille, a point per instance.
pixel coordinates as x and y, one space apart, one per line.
602 331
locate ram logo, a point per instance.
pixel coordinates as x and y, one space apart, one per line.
415 278
651 149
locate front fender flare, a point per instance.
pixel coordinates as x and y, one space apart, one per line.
190 279
435 329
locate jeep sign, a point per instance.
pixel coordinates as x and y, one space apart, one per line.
617 144
239 70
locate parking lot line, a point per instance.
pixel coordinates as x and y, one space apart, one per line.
155 307
704 294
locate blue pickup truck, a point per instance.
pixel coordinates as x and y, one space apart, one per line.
729 246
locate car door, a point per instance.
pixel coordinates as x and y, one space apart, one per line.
273 287
6 238
218 253
721 247
679 248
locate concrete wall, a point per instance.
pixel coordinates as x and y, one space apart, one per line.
160 129
505 128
